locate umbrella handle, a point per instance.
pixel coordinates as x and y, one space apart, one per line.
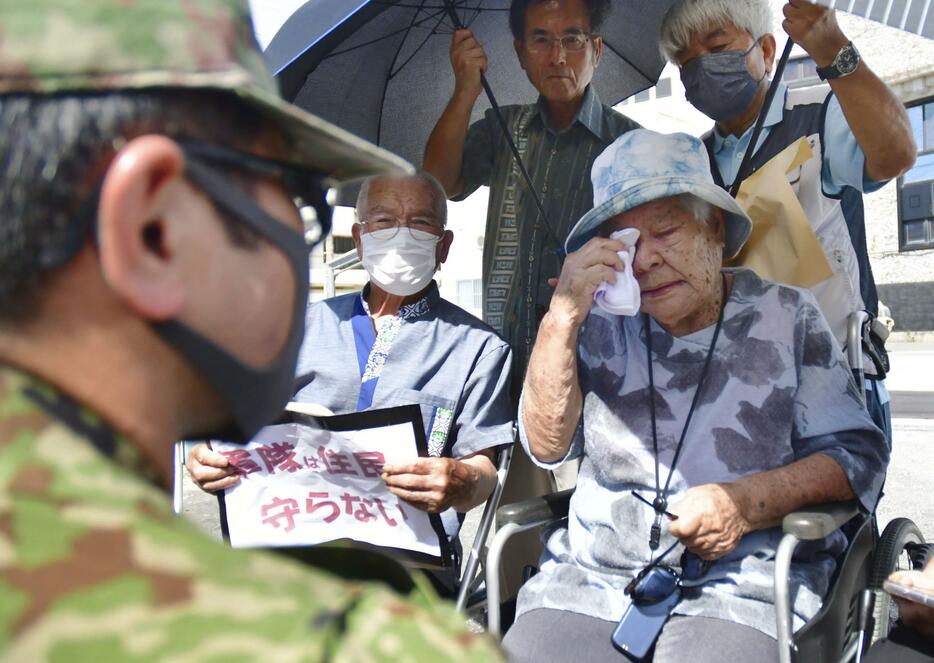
744 165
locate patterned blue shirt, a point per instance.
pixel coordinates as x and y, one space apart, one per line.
436 355
387 329
778 390
439 357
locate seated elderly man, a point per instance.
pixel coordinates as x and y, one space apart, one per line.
699 425
398 342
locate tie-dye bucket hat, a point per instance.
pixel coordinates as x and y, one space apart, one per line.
641 166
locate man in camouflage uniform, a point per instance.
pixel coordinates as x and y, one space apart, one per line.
152 283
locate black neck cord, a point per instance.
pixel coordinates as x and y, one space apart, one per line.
660 503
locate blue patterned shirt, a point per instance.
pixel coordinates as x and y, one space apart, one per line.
436 356
387 329
778 390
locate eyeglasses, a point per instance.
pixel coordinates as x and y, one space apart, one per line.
571 43
305 186
388 226
656 582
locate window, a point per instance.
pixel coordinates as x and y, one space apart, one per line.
342 244
662 89
801 72
916 187
469 293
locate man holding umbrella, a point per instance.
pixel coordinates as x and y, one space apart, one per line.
559 47
857 128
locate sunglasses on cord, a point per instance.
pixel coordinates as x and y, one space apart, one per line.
656 581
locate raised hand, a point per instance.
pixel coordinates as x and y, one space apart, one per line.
583 271
468 60
814 28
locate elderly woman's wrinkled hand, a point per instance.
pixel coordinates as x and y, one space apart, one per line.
710 521
585 269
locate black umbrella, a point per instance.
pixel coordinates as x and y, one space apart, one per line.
381 68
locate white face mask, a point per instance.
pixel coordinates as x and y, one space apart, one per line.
401 265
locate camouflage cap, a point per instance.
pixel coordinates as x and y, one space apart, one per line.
60 46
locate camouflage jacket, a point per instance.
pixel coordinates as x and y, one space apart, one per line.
95 566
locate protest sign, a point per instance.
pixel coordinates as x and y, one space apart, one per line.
316 479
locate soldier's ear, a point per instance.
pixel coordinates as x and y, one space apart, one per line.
137 242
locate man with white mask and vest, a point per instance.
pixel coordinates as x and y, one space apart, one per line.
857 128
397 342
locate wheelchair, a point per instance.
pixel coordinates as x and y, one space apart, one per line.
856 612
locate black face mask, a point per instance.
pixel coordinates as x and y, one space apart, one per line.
719 85
253 396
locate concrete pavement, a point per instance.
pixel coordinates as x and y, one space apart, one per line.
912 367
909 488
911 380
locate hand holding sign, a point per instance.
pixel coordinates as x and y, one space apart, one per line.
301 484
433 484
210 470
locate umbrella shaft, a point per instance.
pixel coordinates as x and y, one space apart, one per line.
760 121
458 25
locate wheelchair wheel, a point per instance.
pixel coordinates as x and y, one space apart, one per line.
901 548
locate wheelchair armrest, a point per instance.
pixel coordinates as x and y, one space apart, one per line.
815 522
535 511
819 520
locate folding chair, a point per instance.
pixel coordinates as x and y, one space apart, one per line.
472 575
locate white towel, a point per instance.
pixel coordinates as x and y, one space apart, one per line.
622 297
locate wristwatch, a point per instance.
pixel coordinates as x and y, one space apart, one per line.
843 65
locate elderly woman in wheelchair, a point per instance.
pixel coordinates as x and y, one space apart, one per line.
699 423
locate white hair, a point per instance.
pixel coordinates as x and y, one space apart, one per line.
700 209
688 17
440 197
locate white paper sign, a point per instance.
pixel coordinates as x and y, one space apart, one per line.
303 486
